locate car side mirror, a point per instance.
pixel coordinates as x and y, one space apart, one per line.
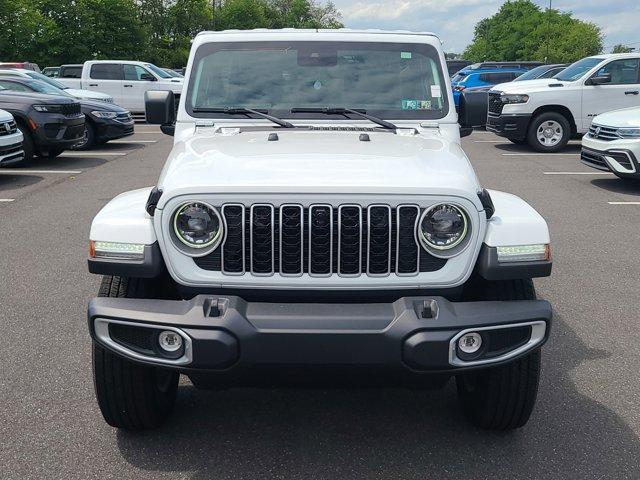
472 111
600 79
148 77
160 109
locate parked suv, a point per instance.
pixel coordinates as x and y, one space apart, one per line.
103 121
49 124
316 222
482 78
612 143
547 113
10 140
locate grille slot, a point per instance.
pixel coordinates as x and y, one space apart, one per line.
321 240
233 256
379 236
8 128
603 133
291 240
262 239
71 109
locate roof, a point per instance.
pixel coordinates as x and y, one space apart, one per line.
322 30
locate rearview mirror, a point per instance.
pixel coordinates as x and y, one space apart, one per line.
600 79
160 109
472 111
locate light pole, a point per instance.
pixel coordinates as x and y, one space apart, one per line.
548 31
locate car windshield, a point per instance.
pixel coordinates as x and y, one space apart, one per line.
578 69
42 87
532 74
48 80
157 70
386 80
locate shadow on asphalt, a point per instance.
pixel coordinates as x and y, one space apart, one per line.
618 185
390 433
16 181
513 148
67 163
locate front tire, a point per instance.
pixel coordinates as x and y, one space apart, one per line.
131 396
549 132
501 398
27 146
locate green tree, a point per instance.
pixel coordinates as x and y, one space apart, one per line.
118 31
620 48
24 32
522 31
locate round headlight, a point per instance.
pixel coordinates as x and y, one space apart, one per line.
443 227
197 225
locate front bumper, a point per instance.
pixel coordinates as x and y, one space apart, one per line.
509 126
617 156
234 338
58 131
107 129
11 148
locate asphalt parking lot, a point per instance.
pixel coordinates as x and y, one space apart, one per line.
585 426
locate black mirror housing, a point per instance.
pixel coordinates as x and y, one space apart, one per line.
600 79
472 111
148 77
160 107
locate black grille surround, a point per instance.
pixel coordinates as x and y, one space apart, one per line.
8 128
320 240
495 104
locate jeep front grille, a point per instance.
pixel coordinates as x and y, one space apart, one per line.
320 240
495 104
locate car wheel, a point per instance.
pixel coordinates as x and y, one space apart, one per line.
52 153
518 141
88 139
503 397
549 132
131 396
27 146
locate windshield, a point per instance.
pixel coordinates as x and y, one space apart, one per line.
42 87
45 79
171 73
532 74
578 69
157 70
387 80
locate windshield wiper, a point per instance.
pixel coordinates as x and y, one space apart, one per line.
346 112
247 112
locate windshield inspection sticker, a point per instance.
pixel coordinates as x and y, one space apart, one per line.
416 104
406 55
435 91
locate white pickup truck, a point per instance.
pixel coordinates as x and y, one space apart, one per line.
547 113
126 81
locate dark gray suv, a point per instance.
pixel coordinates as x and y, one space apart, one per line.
50 124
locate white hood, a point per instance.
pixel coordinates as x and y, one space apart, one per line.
89 95
302 161
624 118
528 86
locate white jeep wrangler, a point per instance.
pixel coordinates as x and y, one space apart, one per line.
316 222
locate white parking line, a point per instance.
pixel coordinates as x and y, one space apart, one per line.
11 171
538 154
577 173
7 200
132 142
623 203
89 153
489 141
158 132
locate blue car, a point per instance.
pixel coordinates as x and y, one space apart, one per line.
467 78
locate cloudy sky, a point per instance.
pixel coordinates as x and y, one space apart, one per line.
453 20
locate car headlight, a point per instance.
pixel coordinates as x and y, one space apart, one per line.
48 108
198 225
629 132
514 98
100 114
443 227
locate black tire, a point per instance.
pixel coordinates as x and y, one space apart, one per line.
517 141
552 118
501 398
131 396
27 146
53 152
89 139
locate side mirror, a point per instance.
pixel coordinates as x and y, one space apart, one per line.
148 77
600 79
472 111
160 109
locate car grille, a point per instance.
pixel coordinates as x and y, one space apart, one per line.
71 109
8 128
320 240
603 133
495 104
124 117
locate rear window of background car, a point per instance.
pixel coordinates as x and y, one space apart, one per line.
71 72
498 77
106 71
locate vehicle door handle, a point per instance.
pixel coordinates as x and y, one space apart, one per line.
93 84
631 92
127 85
